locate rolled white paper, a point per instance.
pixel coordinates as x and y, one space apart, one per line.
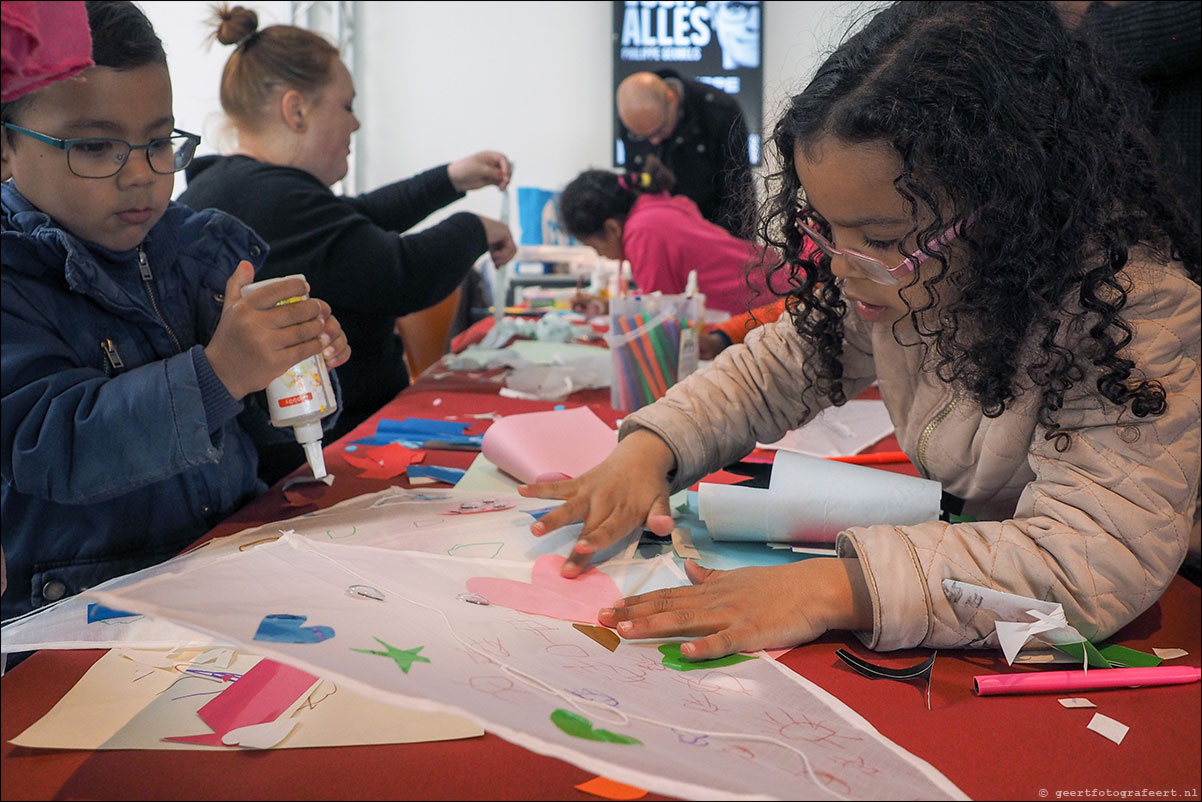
811 500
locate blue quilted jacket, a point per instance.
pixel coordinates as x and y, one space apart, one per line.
120 444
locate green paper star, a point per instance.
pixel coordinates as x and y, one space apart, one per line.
405 658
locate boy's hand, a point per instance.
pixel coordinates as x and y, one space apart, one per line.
256 341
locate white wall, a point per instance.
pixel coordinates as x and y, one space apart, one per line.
439 80
196 66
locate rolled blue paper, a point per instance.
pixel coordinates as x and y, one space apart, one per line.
439 472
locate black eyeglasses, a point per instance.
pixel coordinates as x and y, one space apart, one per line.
97 157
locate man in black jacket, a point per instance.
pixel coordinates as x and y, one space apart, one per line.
699 132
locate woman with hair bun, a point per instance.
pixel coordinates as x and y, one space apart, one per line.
290 100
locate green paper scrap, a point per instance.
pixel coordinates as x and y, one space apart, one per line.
1109 655
580 727
674 659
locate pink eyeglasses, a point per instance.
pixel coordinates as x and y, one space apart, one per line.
869 267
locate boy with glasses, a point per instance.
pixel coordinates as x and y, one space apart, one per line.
128 349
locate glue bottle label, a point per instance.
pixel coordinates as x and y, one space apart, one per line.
303 393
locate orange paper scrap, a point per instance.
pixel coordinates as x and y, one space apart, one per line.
610 789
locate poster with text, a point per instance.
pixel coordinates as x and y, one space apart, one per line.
719 43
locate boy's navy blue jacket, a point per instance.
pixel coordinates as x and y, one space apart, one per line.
120 444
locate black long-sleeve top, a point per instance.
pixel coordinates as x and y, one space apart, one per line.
1160 44
350 251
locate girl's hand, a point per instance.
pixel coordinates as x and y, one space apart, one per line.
751 608
626 492
589 305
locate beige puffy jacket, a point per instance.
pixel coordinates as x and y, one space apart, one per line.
1101 528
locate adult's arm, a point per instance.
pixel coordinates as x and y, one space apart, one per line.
401 205
352 262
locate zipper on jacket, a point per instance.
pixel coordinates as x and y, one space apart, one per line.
112 360
147 278
930 429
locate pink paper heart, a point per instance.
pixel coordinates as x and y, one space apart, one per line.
549 593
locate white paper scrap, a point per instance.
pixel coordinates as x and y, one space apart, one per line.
1108 728
260 736
1169 654
836 431
1076 702
1017 619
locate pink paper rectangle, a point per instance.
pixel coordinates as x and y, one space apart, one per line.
548 446
258 696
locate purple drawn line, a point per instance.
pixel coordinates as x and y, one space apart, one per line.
190 695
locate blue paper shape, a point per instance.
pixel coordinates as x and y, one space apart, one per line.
439 472
98 612
415 432
414 426
285 628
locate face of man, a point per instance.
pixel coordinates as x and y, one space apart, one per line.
738 28
648 107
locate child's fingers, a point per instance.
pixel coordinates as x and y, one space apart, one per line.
243 274
271 295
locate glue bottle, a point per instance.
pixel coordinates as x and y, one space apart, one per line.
692 327
303 395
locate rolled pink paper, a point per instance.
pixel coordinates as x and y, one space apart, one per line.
1055 681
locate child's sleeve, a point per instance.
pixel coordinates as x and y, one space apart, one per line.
753 394
1101 529
73 435
736 328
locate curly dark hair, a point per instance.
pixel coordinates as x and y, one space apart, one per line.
1001 115
595 196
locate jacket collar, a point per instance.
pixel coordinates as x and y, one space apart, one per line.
86 266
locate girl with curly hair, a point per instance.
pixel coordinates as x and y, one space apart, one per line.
1000 253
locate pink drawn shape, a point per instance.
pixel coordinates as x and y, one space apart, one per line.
383 462
549 593
258 696
558 444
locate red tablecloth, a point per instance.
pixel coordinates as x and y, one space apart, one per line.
1011 747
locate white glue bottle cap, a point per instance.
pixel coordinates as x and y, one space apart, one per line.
309 436
690 288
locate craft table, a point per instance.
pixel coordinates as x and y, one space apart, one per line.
1004 747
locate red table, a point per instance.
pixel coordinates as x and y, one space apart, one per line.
1013 747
